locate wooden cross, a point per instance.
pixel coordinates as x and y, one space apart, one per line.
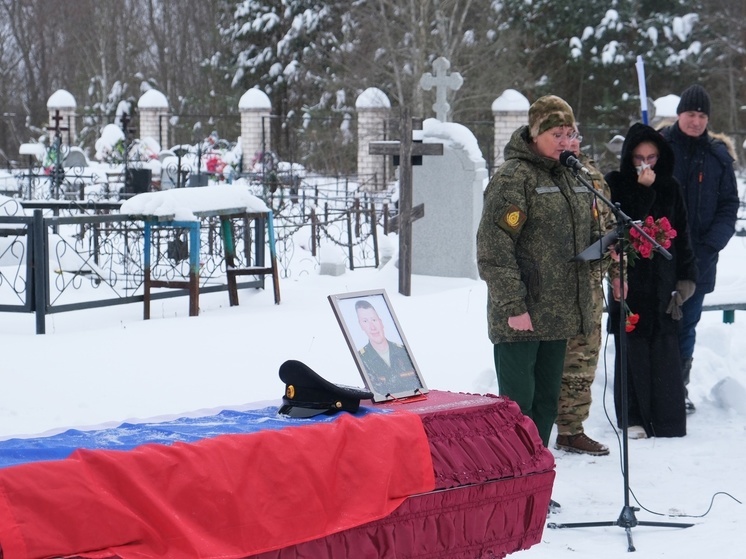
405 149
442 83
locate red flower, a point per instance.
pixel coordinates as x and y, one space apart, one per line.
659 229
631 319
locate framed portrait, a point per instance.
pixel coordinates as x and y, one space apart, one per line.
378 345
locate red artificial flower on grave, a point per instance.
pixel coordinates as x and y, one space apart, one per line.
212 164
631 319
659 229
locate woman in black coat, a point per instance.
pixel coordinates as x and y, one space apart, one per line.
644 186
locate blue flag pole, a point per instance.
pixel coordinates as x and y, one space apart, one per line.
640 65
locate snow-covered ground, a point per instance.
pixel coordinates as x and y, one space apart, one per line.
101 367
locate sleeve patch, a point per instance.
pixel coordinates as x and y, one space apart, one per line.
512 219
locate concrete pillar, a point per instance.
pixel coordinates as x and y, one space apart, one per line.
153 109
373 112
510 111
63 101
256 109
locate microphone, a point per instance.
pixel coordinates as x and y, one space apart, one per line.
568 159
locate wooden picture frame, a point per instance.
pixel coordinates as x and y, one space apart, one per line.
378 345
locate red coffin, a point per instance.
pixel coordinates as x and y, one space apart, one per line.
493 482
451 476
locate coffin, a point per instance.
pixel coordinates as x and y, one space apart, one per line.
449 476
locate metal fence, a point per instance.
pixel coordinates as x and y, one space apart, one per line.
59 256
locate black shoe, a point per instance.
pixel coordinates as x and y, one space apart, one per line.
689 406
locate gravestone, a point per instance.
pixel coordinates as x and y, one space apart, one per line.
451 187
75 158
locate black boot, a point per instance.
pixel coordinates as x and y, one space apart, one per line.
686 369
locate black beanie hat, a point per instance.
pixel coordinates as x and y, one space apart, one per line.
694 98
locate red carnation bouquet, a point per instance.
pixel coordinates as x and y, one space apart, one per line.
659 229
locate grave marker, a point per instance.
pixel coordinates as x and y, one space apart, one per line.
442 82
58 174
405 149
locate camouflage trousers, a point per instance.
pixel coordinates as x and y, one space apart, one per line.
579 371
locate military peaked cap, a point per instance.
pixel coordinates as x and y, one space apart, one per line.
307 394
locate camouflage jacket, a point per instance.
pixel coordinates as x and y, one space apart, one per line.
603 218
536 218
397 377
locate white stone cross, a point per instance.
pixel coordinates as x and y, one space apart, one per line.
442 83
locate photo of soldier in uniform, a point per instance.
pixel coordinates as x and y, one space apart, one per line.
375 339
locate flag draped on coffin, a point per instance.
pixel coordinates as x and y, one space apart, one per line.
226 496
454 476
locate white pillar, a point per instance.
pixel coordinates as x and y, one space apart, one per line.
256 109
510 111
64 102
153 109
373 112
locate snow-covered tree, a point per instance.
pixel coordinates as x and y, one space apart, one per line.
586 52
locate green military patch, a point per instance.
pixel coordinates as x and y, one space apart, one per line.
512 219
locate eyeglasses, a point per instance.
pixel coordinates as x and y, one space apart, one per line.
559 136
649 159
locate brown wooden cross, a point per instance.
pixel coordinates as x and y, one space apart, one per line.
405 149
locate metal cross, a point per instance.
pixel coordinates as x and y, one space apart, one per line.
442 83
405 149
58 174
125 120
57 118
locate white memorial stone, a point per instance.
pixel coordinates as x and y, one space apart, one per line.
451 188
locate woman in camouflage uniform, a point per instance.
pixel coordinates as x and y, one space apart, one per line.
536 218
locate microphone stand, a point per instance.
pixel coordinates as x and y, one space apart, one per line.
627 518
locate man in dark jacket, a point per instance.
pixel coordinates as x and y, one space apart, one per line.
704 168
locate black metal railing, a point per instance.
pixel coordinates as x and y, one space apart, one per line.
74 255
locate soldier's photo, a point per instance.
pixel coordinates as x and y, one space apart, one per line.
378 346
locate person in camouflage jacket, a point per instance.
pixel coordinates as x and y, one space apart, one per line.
581 358
535 219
